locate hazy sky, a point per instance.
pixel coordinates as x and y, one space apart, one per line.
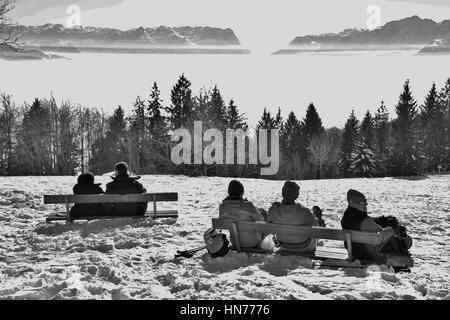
261 25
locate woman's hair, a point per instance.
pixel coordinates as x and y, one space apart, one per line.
86 179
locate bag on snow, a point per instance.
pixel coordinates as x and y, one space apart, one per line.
216 243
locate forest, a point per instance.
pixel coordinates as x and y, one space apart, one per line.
44 137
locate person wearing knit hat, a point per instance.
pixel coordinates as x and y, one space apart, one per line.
235 208
124 184
356 218
290 192
235 190
288 212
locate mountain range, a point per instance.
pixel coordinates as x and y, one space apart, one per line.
59 35
409 32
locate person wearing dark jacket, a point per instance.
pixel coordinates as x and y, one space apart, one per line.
86 185
356 218
124 184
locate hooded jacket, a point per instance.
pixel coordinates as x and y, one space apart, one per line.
293 214
86 210
124 184
354 219
242 210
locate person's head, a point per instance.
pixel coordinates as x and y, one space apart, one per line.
317 212
357 200
121 169
235 190
86 179
290 192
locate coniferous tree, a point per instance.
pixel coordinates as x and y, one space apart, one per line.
293 148
278 121
382 139
367 130
235 119
444 102
433 127
312 123
138 136
266 121
349 140
158 143
181 109
363 161
217 113
404 151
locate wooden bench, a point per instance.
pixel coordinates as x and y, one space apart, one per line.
348 236
111 198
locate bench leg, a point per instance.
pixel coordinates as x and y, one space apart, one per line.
68 210
349 246
154 208
235 235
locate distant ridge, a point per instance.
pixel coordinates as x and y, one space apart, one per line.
59 35
413 31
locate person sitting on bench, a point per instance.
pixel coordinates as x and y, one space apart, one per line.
124 184
236 208
290 213
356 218
86 185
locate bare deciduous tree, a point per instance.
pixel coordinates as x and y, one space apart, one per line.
10 33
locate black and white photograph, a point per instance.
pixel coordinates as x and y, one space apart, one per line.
252 151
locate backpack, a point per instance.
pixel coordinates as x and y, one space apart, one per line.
216 243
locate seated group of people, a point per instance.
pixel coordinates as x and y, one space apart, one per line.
288 212
122 183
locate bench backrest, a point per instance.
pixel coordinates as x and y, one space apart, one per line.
311 232
109 198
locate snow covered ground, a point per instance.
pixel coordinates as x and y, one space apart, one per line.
124 259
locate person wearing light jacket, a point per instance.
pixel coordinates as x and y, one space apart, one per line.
236 208
288 212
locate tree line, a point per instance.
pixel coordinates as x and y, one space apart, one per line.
44 138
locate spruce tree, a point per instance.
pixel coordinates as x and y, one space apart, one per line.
235 119
217 111
349 140
312 123
444 102
180 110
367 130
382 128
363 161
138 135
404 152
278 121
266 121
433 126
155 118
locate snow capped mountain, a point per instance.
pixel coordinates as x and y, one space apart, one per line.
409 31
55 34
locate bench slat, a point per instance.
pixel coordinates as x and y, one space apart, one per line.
312 232
160 214
109 198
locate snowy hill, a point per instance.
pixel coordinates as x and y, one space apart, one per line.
125 259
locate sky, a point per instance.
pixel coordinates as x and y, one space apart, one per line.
262 25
